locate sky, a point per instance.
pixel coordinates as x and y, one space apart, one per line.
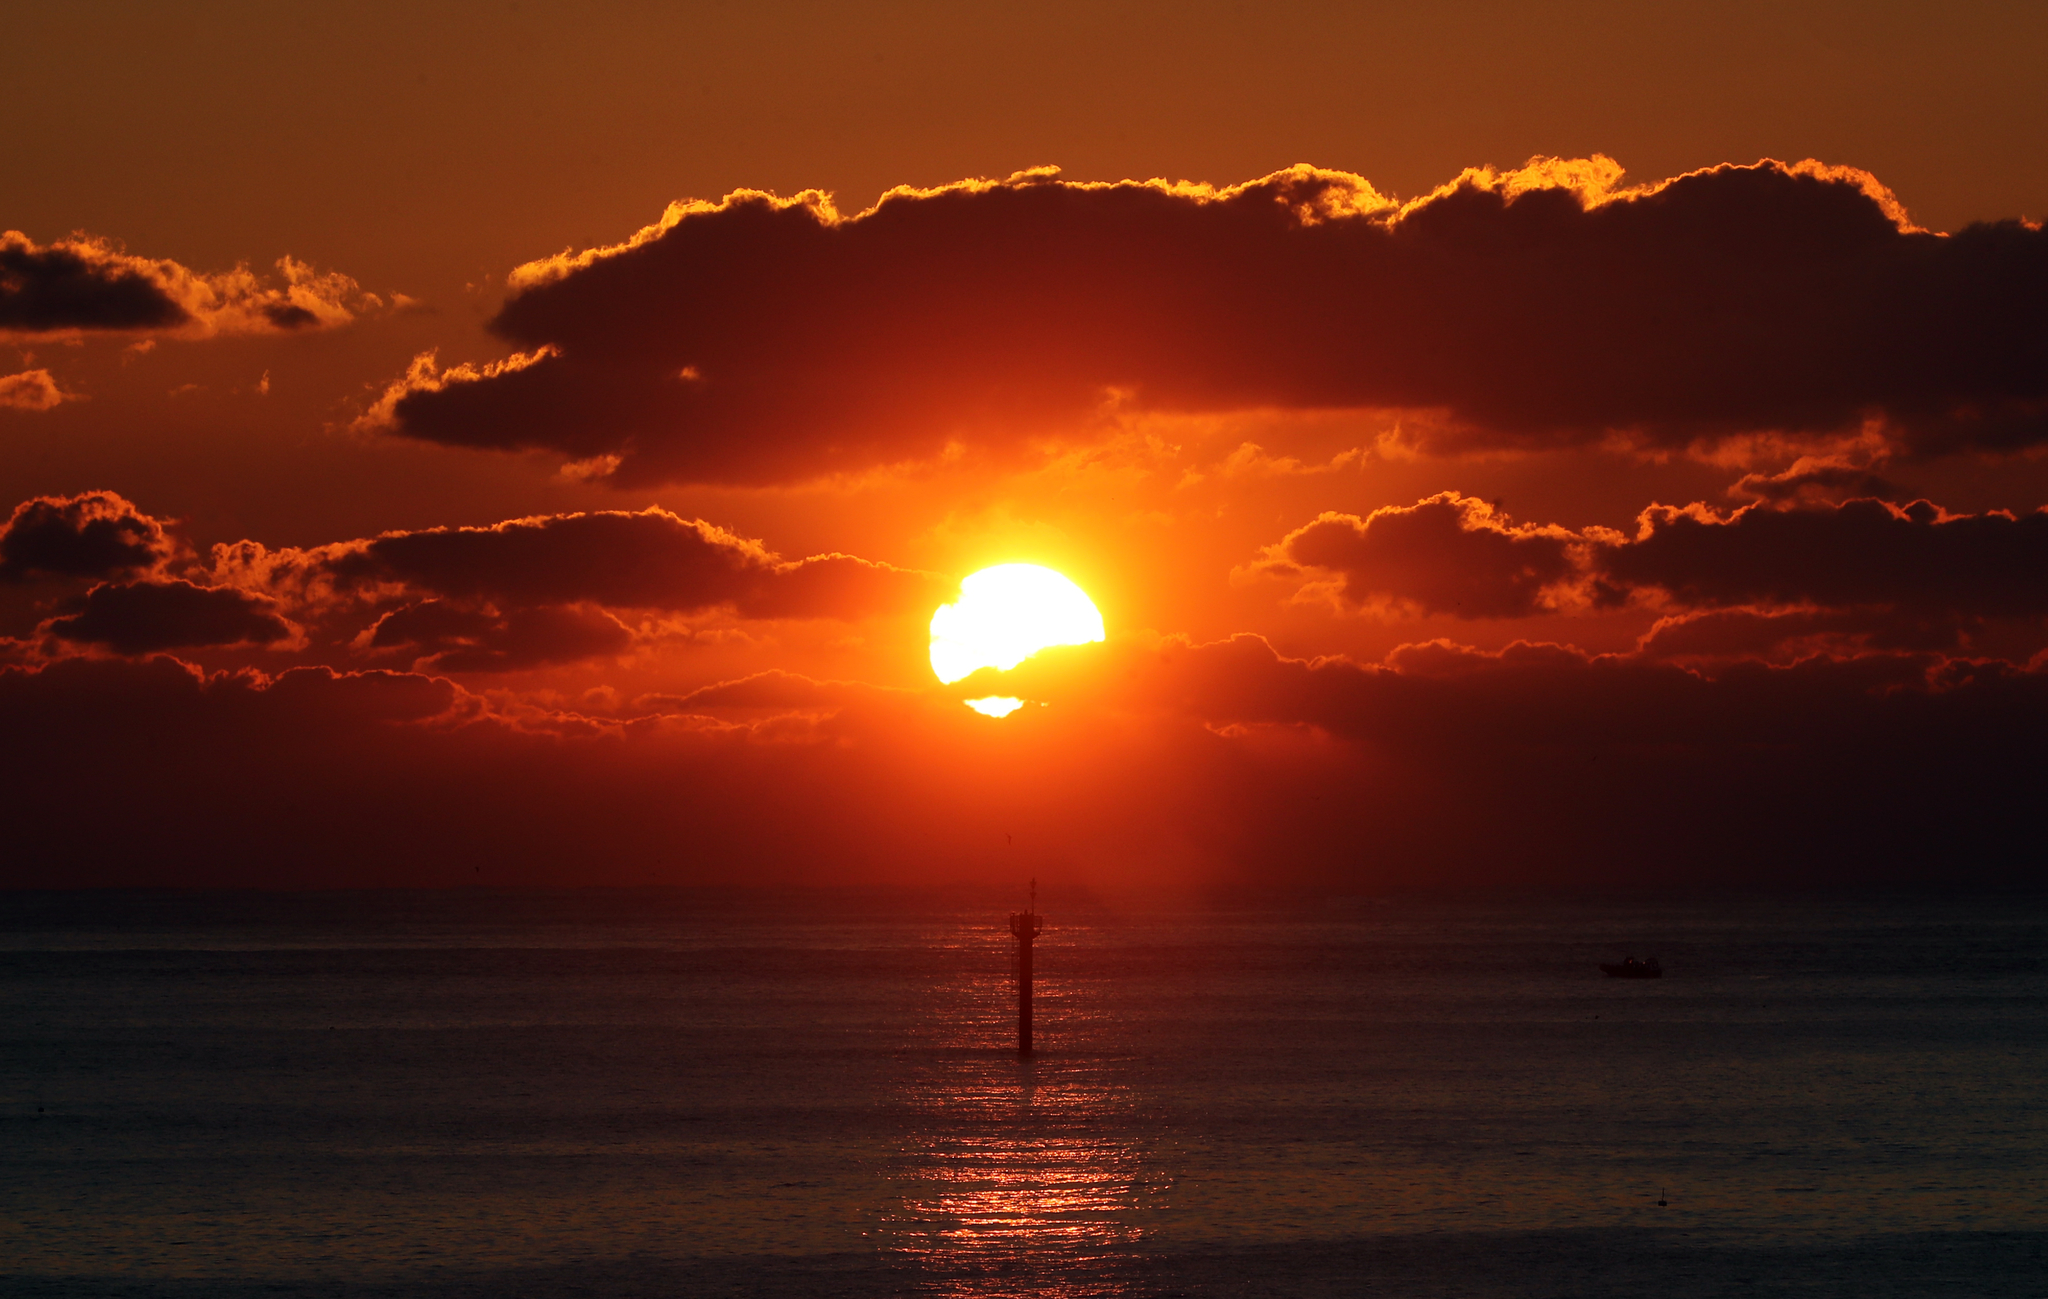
1508 444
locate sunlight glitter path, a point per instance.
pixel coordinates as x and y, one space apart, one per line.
1018 1173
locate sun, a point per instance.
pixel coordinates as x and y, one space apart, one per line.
1005 615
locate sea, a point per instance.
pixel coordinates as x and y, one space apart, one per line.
700 1093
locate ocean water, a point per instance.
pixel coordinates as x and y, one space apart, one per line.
674 1093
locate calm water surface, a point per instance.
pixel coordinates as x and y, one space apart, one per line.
680 1094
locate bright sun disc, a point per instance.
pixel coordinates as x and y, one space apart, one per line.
1005 615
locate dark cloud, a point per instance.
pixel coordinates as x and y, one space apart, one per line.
139 772
1862 553
1814 479
431 622
844 587
1777 633
774 691
80 286
1159 760
90 285
649 560
150 771
93 534
449 637
551 589
143 617
1542 763
1447 554
1860 575
760 340
161 695
288 316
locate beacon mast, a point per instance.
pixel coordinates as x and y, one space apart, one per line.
1026 925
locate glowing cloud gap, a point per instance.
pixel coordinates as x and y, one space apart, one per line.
995 705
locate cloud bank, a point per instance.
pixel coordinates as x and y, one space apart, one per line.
525 593
1742 582
762 340
1162 762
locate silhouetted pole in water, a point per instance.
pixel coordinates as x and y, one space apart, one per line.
1026 924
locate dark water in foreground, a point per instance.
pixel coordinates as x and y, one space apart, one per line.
674 1094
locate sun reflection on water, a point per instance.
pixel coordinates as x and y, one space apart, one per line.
1018 1176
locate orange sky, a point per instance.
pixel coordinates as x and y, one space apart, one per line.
1414 483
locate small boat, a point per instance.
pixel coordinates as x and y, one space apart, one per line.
1631 968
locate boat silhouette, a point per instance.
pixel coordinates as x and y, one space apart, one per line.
1631 968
